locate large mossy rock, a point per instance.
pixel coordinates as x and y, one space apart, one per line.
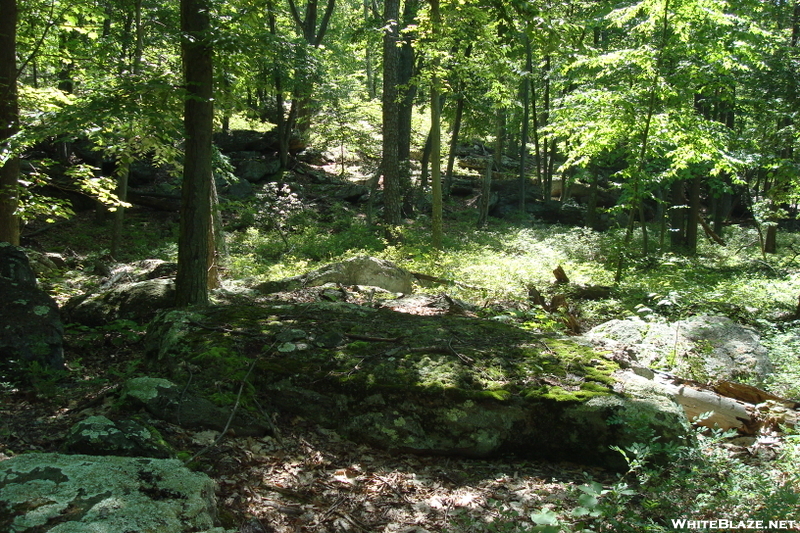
30 325
138 301
91 494
425 384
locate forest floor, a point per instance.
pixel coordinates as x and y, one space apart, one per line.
308 479
304 478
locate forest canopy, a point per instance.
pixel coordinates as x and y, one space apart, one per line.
684 108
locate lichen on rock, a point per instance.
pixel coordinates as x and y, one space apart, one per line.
81 493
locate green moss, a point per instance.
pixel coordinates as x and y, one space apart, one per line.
507 362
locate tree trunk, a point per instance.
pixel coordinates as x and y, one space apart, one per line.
523 151
194 243
547 167
677 216
694 216
9 122
408 92
390 164
771 239
451 159
368 59
436 140
486 192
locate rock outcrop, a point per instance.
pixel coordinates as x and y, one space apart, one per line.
83 493
450 385
30 325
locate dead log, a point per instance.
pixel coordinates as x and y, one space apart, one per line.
722 412
750 394
727 405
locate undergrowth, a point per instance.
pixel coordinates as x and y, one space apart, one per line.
278 236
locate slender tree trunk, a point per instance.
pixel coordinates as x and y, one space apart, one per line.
694 215
424 174
486 192
123 173
9 122
195 253
500 138
677 216
523 151
436 140
391 164
368 59
408 92
284 129
451 158
547 167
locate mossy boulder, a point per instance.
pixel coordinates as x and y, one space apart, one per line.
30 325
452 385
87 494
138 301
361 270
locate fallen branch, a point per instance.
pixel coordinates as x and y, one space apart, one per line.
727 405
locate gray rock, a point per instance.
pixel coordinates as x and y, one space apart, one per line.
91 494
253 166
97 435
45 265
239 190
138 301
700 347
30 324
163 399
362 270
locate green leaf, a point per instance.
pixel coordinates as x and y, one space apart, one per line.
545 517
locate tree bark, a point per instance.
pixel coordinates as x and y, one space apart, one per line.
694 216
9 122
390 163
407 94
195 253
